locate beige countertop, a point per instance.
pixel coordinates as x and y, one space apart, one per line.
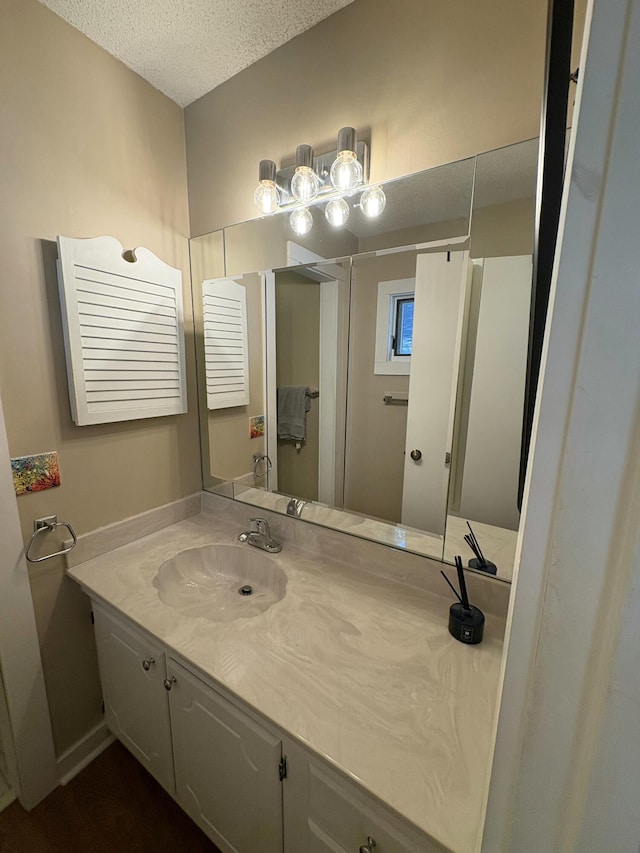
358 667
498 543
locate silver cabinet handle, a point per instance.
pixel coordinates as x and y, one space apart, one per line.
146 664
169 682
368 847
416 455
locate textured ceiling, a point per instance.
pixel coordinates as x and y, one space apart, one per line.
185 48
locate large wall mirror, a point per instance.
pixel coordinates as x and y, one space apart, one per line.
372 378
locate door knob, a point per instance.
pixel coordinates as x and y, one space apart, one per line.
368 847
416 455
169 682
146 664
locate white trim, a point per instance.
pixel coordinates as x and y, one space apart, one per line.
384 361
7 798
553 786
8 765
20 651
452 243
83 752
297 254
456 243
271 390
328 357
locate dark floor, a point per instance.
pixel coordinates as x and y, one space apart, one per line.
112 806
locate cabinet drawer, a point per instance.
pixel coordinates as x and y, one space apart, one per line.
136 705
340 821
325 813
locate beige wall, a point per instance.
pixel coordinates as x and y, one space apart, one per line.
503 229
428 82
88 148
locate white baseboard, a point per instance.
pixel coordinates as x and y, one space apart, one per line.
6 799
82 753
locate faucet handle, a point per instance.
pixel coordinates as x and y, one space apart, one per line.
261 526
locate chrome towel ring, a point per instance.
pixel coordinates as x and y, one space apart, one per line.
48 525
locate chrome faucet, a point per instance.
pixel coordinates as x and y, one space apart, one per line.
260 536
295 507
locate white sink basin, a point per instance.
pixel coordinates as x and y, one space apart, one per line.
220 582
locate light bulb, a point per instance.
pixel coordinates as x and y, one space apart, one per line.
373 201
346 172
337 212
266 195
301 221
305 184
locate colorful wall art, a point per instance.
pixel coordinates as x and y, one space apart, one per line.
256 426
35 473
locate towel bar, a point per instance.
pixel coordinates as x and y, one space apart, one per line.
390 400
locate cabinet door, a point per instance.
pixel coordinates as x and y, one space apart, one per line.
227 768
324 813
136 705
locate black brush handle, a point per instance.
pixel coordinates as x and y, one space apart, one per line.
463 586
475 539
472 545
455 591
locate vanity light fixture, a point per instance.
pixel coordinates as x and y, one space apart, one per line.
266 195
305 184
332 178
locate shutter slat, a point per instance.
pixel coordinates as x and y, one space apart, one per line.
95 322
133 373
88 309
126 305
127 345
89 332
139 394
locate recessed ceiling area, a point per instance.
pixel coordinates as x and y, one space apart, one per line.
185 49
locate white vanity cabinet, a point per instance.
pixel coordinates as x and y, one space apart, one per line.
136 705
325 813
248 787
227 768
